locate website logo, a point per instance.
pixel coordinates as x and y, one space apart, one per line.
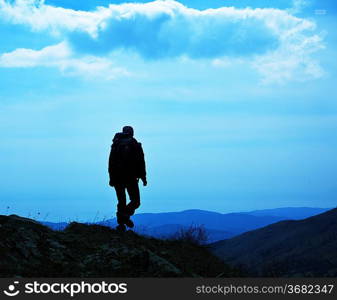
12 290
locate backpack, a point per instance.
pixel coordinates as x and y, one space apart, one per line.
125 153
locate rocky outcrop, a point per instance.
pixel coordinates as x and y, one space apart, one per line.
29 249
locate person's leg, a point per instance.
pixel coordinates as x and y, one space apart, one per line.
121 206
133 191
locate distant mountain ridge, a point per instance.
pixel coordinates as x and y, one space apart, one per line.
218 226
298 248
293 213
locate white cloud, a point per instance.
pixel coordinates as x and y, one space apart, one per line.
60 56
298 6
277 44
281 67
45 17
31 58
292 60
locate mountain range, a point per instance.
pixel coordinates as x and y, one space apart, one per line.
286 248
218 226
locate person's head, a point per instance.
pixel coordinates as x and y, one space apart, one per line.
128 130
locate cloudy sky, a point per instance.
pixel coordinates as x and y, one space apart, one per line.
234 101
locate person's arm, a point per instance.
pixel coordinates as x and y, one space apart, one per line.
112 159
141 166
110 167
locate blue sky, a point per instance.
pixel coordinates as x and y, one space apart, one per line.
234 102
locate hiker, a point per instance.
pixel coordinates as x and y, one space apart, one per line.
126 167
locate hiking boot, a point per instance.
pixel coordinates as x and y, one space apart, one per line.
121 228
129 223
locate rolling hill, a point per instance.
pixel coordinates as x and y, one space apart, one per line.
301 248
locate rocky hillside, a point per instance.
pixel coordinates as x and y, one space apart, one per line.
29 249
304 248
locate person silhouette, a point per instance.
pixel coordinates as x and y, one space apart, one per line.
126 167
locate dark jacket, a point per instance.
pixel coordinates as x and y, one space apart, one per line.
126 160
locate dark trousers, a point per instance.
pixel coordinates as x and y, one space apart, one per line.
124 211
